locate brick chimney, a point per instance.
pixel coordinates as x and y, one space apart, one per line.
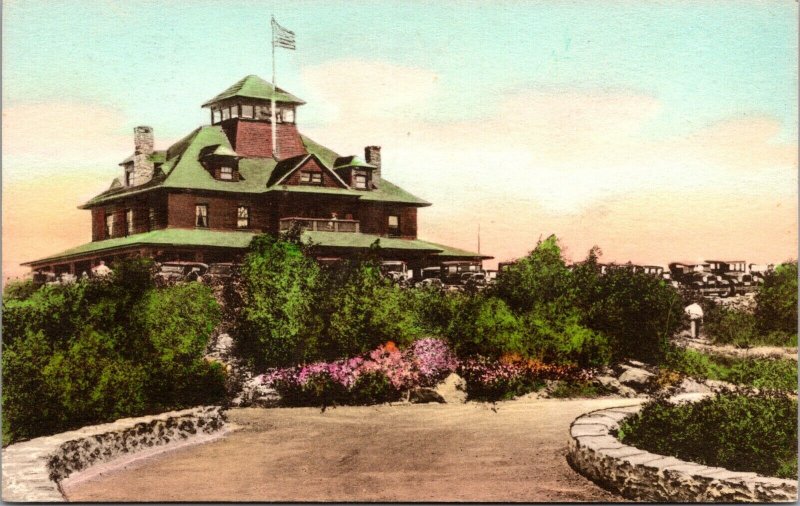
372 155
143 166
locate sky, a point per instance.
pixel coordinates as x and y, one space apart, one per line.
659 131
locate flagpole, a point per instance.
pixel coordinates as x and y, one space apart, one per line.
274 89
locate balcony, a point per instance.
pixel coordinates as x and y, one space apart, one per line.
321 224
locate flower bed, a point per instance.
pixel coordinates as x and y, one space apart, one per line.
381 376
386 372
512 376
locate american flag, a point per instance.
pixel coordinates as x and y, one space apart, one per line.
281 37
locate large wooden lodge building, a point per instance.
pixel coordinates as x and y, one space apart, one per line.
210 193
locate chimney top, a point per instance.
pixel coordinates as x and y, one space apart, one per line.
372 155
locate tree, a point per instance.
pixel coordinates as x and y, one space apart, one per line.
776 301
280 318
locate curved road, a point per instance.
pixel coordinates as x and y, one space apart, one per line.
512 451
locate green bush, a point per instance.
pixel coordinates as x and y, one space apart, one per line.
364 310
759 373
562 339
776 302
484 326
638 312
97 350
280 320
19 289
756 433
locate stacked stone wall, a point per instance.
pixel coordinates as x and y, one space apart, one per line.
32 470
644 476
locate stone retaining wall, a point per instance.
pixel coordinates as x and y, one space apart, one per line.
644 476
32 470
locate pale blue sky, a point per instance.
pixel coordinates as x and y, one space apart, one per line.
615 123
157 61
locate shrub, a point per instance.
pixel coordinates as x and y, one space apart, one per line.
484 326
755 433
101 349
730 326
638 313
279 322
542 277
19 289
364 309
776 302
760 373
561 339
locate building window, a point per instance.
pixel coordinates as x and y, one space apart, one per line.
201 215
243 217
215 115
360 180
247 111
128 177
311 177
262 112
394 225
129 221
287 115
226 113
151 218
234 111
226 173
109 225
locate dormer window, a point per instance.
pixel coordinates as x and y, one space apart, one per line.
129 177
311 177
226 173
360 180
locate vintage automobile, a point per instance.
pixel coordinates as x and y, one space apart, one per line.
221 271
170 272
396 270
430 283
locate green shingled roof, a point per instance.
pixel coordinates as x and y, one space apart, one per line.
449 251
255 87
241 240
182 169
163 237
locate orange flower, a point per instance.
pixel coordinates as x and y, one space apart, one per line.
390 346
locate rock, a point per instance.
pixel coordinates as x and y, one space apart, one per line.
266 398
635 378
421 395
613 384
453 389
690 386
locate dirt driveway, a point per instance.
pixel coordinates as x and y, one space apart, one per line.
470 452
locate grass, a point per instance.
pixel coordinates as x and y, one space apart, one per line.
778 374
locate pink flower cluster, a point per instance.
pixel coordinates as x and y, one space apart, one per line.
424 363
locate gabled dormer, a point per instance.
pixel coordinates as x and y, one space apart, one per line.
221 162
305 170
244 111
355 172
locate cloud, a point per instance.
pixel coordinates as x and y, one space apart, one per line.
40 137
348 89
561 160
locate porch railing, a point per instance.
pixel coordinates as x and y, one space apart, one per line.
321 225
